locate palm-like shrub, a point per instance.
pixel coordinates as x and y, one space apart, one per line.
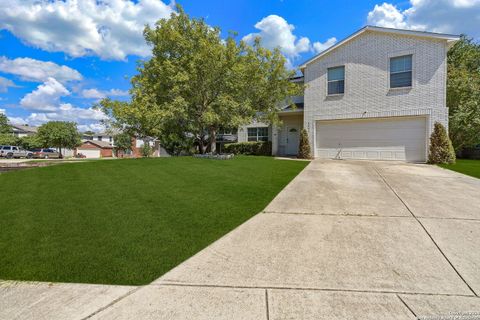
304 151
441 149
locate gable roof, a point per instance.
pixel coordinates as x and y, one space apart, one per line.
18 127
100 144
423 34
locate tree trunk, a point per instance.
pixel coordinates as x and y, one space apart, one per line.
201 145
213 140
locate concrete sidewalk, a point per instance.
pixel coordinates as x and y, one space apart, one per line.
344 240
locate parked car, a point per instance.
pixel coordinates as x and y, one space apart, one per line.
15 152
46 154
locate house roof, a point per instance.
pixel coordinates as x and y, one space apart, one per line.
18 127
423 34
100 144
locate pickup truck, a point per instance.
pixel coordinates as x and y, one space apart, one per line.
14 152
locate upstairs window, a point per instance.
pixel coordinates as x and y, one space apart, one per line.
401 72
336 80
258 134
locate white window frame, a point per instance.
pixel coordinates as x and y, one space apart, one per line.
398 55
344 81
257 135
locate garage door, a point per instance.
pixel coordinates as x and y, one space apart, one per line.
90 153
380 139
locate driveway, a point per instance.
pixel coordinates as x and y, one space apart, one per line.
344 240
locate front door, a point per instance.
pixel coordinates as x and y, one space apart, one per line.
292 140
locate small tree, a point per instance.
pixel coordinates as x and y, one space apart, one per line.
5 128
123 142
59 134
441 149
304 151
146 150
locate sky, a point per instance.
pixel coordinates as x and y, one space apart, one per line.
60 57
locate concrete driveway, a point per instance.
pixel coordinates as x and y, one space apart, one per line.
344 240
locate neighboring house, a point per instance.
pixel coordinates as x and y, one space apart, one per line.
374 95
21 131
225 136
103 136
157 149
95 149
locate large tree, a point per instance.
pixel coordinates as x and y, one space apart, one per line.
197 82
463 93
59 134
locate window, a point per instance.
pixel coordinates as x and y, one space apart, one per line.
401 72
336 80
110 139
226 132
99 138
258 134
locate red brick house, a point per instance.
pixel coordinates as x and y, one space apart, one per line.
95 149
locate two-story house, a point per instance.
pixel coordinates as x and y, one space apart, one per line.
374 95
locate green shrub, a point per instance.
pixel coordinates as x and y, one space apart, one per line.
146 150
441 149
261 148
304 151
8 139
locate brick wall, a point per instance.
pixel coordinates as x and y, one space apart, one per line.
367 94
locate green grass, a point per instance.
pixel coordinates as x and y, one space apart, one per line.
468 167
127 221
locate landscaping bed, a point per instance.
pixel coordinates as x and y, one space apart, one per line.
127 221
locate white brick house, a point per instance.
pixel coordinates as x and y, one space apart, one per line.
373 95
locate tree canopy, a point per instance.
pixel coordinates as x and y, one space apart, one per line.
123 142
463 93
59 134
4 126
197 82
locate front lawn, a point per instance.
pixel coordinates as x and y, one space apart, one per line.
468 167
127 221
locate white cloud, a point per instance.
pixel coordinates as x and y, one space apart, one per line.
2 111
46 103
276 32
86 119
319 47
110 29
38 71
448 16
100 94
5 84
95 127
17 120
46 97
387 15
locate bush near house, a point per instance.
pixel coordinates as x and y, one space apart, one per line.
260 148
441 149
146 150
304 151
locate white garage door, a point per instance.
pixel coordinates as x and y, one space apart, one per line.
399 138
90 153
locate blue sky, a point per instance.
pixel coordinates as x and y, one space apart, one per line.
58 57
